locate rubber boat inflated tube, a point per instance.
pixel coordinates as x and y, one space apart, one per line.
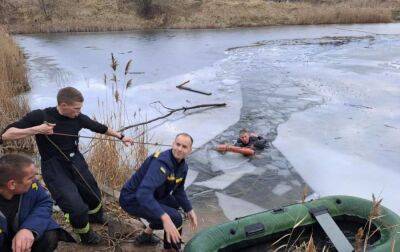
242 150
275 228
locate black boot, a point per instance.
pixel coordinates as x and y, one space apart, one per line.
90 238
146 239
98 218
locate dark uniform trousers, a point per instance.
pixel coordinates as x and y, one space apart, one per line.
69 187
170 206
47 243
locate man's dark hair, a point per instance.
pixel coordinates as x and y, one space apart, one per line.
185 134
69 95
243 131
12 167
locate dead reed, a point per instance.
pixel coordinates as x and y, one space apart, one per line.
111 162
13 82
304 194
359 240
310 246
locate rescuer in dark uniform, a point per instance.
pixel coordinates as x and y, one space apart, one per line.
64 169
156 191
25 209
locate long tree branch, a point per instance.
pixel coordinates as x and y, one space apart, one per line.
171 111
181 86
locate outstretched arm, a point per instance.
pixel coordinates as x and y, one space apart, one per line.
125 139
14 133
31 124
102 129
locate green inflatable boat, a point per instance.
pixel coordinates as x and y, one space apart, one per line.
333 223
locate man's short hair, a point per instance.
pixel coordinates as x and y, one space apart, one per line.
69 95
243 131
185 134
12 167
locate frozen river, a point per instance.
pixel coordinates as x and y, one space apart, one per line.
326 97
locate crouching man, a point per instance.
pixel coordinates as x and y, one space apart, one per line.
156 192
25 208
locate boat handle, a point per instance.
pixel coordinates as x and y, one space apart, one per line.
254 229
278 210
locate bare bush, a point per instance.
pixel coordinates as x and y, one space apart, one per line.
110 161
148 9
47 8
13 82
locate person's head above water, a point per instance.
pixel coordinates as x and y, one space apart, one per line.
244 136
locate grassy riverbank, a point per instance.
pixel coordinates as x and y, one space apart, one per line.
24 16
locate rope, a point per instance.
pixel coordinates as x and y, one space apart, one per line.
75 168
115 140
98 138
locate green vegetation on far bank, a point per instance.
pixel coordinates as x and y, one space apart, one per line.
26 16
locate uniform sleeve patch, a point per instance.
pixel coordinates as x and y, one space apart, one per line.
163 170
35 186
171 177
178 180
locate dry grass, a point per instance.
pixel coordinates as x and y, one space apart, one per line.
111 162
304 194
13 82
310 247
255 13
25 16
359 240
117 235
375 213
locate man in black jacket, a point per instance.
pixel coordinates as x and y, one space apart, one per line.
250 140
64 169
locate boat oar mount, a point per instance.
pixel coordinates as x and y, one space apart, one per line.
332 230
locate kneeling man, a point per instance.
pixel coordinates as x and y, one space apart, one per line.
156 192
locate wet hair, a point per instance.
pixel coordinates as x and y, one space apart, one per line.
186 135
69 95
243 131
12 167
